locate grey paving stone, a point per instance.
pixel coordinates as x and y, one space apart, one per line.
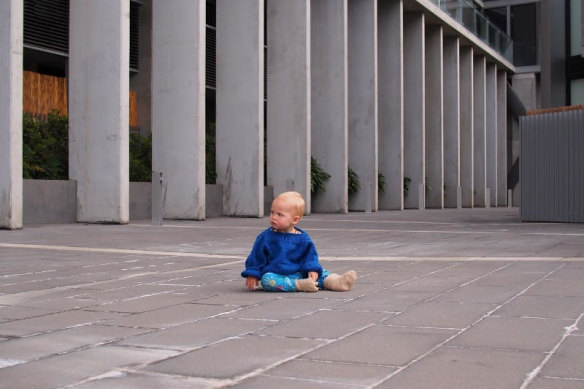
235 357
338 373
15 312
442 314
558 287
121 380
61 341
544 307
387 301
382 345
266 381
556 383
62 370
52 322
240 298
513 333
567 361
479 294
284 308
449 368
147 303
325 324
169 316
198 334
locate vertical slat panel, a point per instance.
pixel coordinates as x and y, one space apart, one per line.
552 167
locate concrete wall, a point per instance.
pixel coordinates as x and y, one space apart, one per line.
55 201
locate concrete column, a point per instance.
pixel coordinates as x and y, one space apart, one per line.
288 132
240 106
480 131
491 132
451 121
99 42
434 159
329 96
467 126
414 106
178 104
391 103
11 114
501 138
363 102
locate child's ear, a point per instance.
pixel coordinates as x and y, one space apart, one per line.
295 220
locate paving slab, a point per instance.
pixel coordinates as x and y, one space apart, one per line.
448 368
443 299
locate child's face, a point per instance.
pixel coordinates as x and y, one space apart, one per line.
283 217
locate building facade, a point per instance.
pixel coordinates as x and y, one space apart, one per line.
409 93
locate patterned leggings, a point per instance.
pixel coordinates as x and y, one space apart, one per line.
285 283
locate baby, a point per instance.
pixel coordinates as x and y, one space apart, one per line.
284 258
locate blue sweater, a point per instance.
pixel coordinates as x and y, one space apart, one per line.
282 253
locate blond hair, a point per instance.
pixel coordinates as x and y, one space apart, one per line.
295 200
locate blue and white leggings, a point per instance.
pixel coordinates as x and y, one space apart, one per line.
279 283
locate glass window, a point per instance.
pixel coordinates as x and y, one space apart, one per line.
577 92
575 27
498 16
523 34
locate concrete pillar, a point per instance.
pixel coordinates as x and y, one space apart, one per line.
391 103
480 131
329 97
451 111
414 106
467 126
491 132
11 113
363 102
178 104
501 138
434 142
99 42
240 106
288 130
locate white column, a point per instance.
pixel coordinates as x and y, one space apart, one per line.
288 132
240 106
414 106
11 114
480 131
391 103
467 126
99 70
491 132
434 159
363 102
501 138
451 121
329 97
178 104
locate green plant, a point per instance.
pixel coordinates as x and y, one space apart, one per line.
381 183
407 181
45 148
140 157
354 185
427 186
318 177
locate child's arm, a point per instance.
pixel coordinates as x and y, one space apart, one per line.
251 283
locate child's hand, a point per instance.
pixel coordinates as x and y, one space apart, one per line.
313 275
251 283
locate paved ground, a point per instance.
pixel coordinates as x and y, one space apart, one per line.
444 299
